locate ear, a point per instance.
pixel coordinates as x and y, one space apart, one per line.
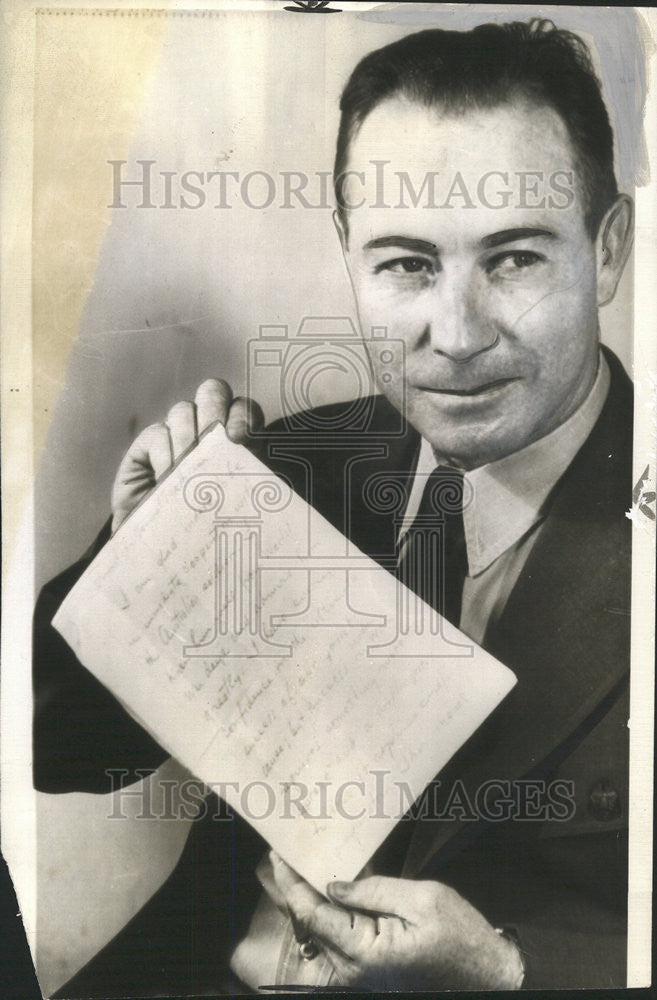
613 246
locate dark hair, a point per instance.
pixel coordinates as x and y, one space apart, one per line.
485 67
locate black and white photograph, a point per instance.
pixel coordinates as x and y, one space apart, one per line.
329 388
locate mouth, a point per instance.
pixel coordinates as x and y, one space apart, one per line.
480 390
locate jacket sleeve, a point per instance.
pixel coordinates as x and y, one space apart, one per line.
80 731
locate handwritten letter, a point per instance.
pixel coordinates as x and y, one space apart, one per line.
282 679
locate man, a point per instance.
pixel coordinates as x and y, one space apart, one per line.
493 284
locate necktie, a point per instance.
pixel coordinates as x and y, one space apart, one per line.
433 558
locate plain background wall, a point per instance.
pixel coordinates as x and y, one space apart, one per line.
176 296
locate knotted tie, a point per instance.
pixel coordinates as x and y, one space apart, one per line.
437 572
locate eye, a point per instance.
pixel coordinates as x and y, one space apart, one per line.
406 265
512 262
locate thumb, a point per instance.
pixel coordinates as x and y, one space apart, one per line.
245 418
377 894
299 896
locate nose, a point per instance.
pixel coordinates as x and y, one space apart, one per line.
460 326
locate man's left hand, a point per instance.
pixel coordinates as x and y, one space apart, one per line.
387 933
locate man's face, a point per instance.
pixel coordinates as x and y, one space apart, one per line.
496 306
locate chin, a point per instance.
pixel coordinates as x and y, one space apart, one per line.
471 452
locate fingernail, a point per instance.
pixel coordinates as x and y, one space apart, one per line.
338 890
274 858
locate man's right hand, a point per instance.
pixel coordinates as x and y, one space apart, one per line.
160 445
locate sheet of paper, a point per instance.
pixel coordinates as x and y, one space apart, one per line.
288 671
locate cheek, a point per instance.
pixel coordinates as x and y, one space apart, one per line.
557 325
563 288
403 315
387 365
372 301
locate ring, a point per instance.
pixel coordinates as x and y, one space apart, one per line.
308 949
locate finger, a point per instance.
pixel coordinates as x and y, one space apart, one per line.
213 399
346 970
344 930
244 418
377 894
181 422
351 934
298 893
150 454
146 460
302 900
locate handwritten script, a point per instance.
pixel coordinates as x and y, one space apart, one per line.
281 678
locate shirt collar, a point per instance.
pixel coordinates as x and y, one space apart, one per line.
508 496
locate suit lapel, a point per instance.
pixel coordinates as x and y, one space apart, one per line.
357 479
564 631
377 491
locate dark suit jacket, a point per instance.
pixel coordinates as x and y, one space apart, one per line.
560 886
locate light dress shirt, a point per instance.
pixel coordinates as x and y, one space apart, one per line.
504 507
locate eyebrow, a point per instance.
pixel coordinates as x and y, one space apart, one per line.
403 242
508 235
425 246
